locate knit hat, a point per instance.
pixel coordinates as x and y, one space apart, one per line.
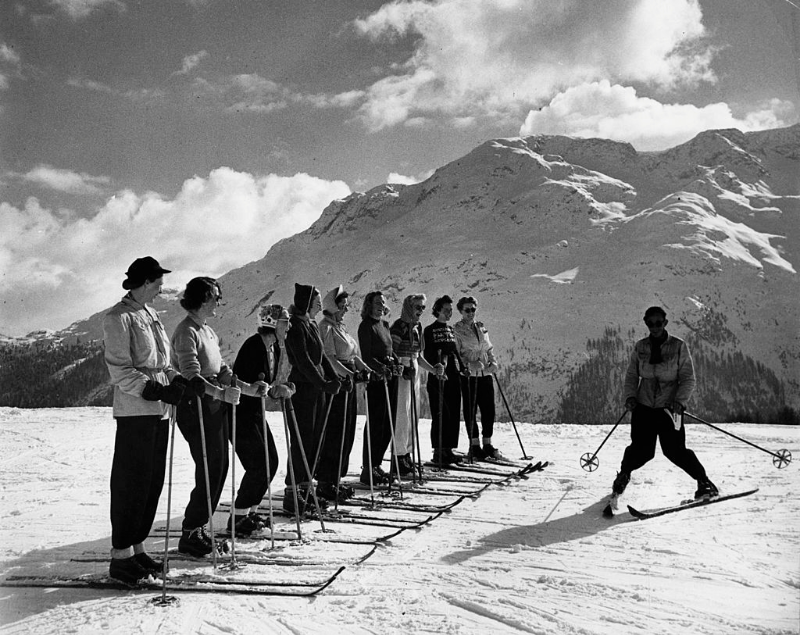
329 301
269 314
303 293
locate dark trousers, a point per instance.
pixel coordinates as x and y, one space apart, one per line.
647 424
309 405
215 425
137 477
379 412
341 423
449 419
478 393
252 453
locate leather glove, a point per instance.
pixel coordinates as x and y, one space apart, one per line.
438 370
331 387
256 389
281 391
491 369
677 407
630 403
347 383
155 391
231 394
409 372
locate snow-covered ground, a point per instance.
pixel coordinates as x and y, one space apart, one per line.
531 556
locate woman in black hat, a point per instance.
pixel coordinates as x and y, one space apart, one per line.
313 377
138 358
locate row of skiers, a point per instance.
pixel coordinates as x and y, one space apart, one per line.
312 368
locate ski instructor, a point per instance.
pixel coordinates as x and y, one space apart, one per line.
137 354
658 383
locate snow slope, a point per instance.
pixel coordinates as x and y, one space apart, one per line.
531 556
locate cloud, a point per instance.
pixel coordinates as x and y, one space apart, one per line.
139 94
494 57
66 180
190 62
10 64
401 179
57 267
600 109
78 9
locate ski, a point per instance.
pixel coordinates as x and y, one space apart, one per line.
200 585
393 503
291 536
640 515
465 467
248 557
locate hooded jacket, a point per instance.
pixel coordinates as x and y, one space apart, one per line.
659 385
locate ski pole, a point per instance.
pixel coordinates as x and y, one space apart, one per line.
164 600
394 443
303 456
368 441
590 462
233 564
441 415
319 447
208 482
780 459
500 388
265 432
341 452
286 405
415 428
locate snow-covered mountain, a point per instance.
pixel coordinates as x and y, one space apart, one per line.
565 242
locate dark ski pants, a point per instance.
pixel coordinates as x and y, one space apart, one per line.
215 424
137 477
309 404
449 419
341 423
379 412
478 394
252 453
647 424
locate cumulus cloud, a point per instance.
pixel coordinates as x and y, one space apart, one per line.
135 94
57 267
600 109
190 62
492 58
78 9
10 63
66 180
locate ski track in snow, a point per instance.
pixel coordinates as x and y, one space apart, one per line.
530 556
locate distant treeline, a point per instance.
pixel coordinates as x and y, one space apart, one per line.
731 386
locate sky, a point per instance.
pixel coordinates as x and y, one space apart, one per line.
201 132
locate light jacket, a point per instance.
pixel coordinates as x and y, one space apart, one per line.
136 349
659 385
473 343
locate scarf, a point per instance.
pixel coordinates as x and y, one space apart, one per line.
655 348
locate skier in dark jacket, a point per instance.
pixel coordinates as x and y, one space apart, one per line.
441 347
658 384
315 381
258 359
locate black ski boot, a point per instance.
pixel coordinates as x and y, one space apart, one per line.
153 567
127 570
705 489
620 483
195 542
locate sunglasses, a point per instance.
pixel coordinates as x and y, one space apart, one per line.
470 309
655 323
419 307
